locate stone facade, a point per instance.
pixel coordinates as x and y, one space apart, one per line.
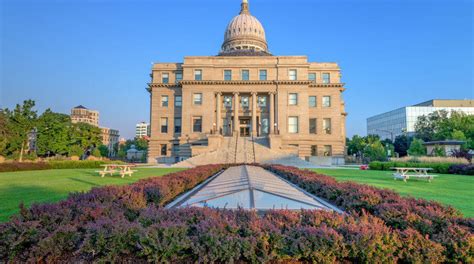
297 104
110 138
81 114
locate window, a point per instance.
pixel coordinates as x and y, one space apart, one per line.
178 77
197 124
245 75
312 76
164 125
178 100
293 124
327 126
312 101
164 150
314 150
326 101
326 78
227 75
165 78
313 126
198 75
265 126
263 75
227 101
262 101
244 101
327 150
177 125
197 98
164 101
293 76
293 99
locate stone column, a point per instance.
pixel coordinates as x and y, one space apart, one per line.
218 112
272 112
236 112
254 114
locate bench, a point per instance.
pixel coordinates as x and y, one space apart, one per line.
102 173
405 177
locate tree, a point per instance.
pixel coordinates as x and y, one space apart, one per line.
85 136
401 144
96 153
375 151
53 133
417 148
356 145
75 150
104 150
3 131
21 122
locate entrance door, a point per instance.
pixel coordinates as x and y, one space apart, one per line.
227 128
245 127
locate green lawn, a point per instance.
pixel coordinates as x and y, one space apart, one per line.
53 185
455 190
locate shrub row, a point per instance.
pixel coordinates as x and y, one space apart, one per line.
63 164
437 167
464 169
128 223
441 224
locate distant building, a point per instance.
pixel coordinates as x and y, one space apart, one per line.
403 120
447 147
81 114
110 137
142 130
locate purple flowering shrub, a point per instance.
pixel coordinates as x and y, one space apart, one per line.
129 223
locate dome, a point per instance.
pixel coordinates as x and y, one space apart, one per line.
244 35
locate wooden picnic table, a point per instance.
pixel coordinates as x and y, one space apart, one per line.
406 173
122 169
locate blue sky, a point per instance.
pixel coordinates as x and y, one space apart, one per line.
98 53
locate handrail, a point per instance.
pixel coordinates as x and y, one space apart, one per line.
236 144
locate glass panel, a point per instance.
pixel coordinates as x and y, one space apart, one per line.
312 76
245 75
264 201
312 101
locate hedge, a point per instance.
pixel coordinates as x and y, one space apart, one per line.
437 167
129 223
464 169
63 164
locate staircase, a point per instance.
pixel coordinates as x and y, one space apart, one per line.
245 150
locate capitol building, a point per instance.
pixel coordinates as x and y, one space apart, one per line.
246 101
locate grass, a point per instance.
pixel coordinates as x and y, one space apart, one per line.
455 190
54 185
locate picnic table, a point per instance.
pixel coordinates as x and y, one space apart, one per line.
122 169
406 173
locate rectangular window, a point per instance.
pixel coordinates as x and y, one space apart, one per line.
198 75
165 78
178 77
263 75
164 149
197 98
327 150
293 75
245 75
314 150
178 101
327 126
312 76
164 125
164 101
177 125
197 124
312 101
244 101
227 101
326 77
313 126
293 124
228 75
292 99
326 101
262 101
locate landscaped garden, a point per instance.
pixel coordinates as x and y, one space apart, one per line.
121 223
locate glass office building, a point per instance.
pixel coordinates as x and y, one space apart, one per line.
403 120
